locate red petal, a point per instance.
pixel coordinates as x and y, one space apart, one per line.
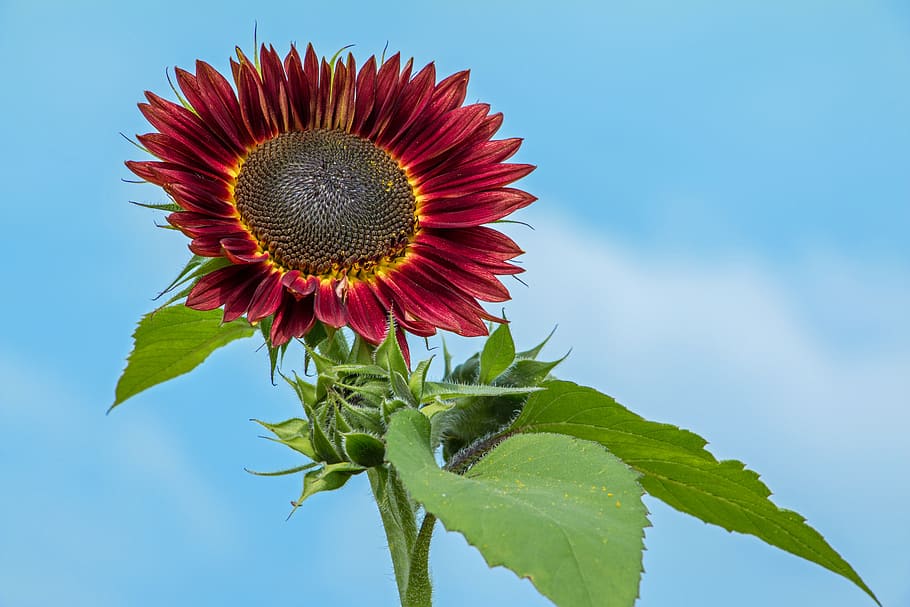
267 297
243 250
473 279
293 319
237 302
210 110
190 222
194 194
323 97
214 288
343 94
253 105
473 209
172 150
486 178
178 122
311 77
468 159
298 284
274 82
434 138
365 95
414 98
386 93
367 316
329 303
298 90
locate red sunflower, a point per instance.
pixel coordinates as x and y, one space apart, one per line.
338 195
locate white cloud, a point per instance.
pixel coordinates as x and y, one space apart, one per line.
732 338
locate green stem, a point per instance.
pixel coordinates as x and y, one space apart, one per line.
399 521
420 590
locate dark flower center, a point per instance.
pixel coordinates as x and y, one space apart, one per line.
320 200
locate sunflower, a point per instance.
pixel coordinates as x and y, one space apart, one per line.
337 195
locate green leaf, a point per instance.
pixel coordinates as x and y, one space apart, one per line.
498 353
560 511
444 390
173 341
677 469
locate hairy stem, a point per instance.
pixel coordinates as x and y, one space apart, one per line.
463 460
399 521
420 590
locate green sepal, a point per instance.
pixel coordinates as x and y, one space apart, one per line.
388 354
447 361
497 354
533 352
401 390
390 406
286 472
201 267
445 390
367 419
276 355
361 352
335 347
369 370
294 432
168 207
324 364
305 391
468 371
527 372
418 378
436 407
364 449
326 450
373 389
316 335
327 478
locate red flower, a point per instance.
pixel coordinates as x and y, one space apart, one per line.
337 194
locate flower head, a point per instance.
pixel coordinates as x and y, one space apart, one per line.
337 194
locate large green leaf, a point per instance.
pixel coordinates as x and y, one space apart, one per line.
560 511
677 469
172 341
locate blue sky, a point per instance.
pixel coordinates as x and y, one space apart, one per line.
721 237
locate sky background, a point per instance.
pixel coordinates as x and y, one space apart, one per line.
721 237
